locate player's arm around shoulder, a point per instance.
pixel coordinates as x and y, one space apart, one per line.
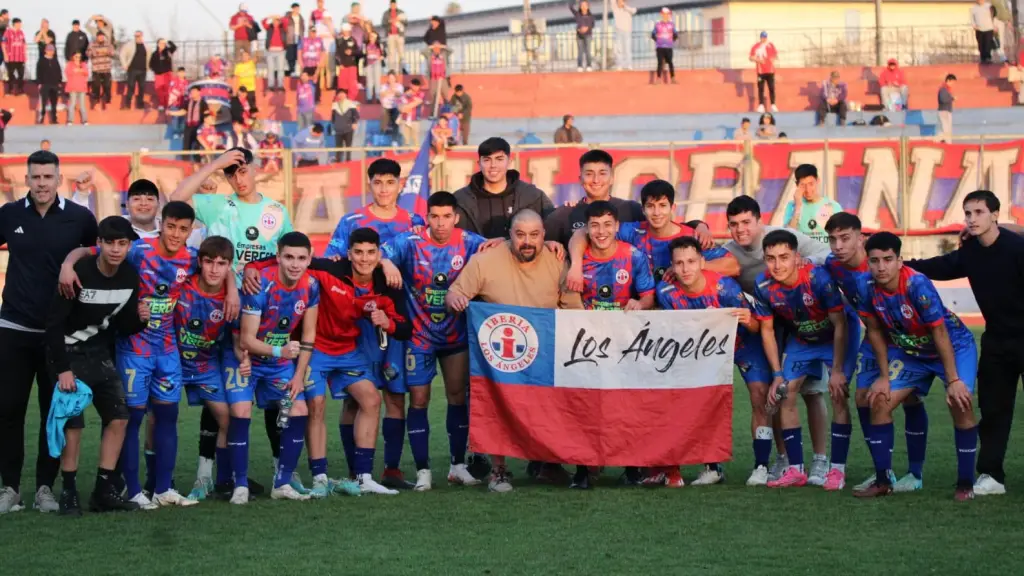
396 309
129 320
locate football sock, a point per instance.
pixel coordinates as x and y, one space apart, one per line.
840 443
318 467
763 437
130 453
150 457
882 440
68 480
208 429
293 438
457 423
917 437
393 430
165 444
273 432
348 443
104 479
793 437
364 461
864 415
224 464
238 444
419 437
966 450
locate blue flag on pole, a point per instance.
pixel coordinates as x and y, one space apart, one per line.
417 185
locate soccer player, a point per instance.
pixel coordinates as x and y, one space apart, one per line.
79 340
847 264
149 362
824 330
616 276
252 222
693 287
918 339
200 326
287 295
426 265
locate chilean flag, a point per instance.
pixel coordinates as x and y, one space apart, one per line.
601 388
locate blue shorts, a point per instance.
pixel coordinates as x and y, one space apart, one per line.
421 365
867 366
267 385
753 365
234 386
155 377
805 359
906 371
336 373
203 388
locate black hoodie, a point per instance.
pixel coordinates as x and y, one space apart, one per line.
490 215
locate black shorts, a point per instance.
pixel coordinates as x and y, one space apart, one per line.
95 366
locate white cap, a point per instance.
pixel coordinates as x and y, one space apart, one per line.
346 27
665 10
243 7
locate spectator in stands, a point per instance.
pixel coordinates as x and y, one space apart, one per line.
345 119
77 73
441 137
623 14
743 133
45 36
567 133
393 26
438 78
45 145
409 113
296 27
312 49
436 34
196 109
244 76
892 87
763 55
14 57
5 119
318 13
77 42
49 78
373 64
162 64
783 136
133 60
346 58
270 152
240 137
325 30
5 23
101 56
177 94
984 26
210 138
665 36
808 211
462 106
766 127
99 23
390 97
946 100
306 145
584 32
833 99
244 28
243 107
305 99
275 45
360 25
215 67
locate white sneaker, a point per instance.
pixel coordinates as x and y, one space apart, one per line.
286 492
45 502
500 482
367 485
708 477
775 109
759 477
590 68
817 472
986 485
321 487
143 502
424 480
460 476
240 495
173 498
10 501
760 108
579 69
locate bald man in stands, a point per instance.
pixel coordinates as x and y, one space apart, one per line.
519 272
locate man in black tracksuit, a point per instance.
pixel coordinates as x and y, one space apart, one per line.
77 42
49 78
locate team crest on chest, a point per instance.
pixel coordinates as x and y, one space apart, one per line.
457 262
622 276
808 299
907 311
300 306
269 221
180 275
216 315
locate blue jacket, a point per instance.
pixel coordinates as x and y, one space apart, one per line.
65 406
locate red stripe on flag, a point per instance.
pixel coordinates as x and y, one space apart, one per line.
602 427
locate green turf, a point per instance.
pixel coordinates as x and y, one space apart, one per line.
541 529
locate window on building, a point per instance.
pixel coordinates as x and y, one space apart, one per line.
718 31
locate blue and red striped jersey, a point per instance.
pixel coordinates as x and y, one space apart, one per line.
805 305
909 314
657 250
609 284
719 292
160 281
280 309
428 269
200 325
847 278
365 218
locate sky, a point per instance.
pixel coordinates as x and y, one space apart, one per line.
187 19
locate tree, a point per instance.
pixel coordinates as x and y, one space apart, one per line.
452 9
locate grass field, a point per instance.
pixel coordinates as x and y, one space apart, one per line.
540 529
